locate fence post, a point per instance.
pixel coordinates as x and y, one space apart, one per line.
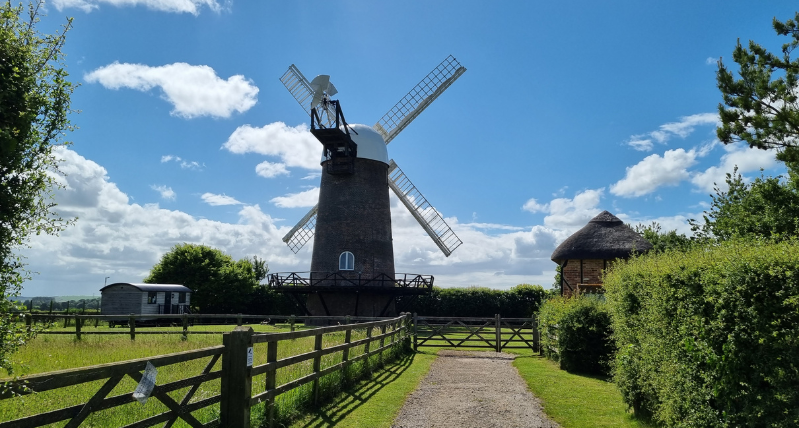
345 355
271 380
317 365
382 343
347 319
185 326
132 325
536 337
499 332
415 332
238 319
96 322
291 323
77 326
367 366
28 321
234 408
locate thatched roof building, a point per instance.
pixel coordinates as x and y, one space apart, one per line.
585 254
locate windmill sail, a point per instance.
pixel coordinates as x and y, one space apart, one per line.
303 91
302 232
415 101
427 216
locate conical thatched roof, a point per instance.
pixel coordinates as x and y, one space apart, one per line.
604 237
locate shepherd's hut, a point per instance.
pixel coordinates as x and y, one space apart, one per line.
584 255
123 298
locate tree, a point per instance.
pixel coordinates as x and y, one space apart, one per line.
663 241
219 284
767 207
761 107
34 108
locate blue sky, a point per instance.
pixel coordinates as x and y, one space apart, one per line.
566 109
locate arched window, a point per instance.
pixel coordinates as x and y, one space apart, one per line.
346 261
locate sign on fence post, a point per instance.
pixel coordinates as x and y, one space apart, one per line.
146 385
234 408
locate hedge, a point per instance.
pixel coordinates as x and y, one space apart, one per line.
520 301
576 331
709 337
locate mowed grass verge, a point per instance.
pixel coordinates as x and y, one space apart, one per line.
373 403
573 400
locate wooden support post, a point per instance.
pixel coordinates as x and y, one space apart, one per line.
291 323
271 381
185 326
51 306
77 326
317 366
96 322
415 332
238 320
382 343
234 408
367 367
498 324
536 336
345 355
132 325
28 321
347 319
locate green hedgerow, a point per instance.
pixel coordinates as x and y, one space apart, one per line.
709 337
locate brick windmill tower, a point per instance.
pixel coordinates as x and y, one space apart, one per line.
352 264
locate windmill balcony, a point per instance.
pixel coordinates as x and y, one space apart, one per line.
345 281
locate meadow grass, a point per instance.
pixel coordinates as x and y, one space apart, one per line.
57 352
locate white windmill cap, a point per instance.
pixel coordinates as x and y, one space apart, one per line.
370 144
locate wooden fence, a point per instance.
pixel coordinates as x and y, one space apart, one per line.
496 333
236 375
183 320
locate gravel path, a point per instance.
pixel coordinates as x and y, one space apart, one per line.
472 390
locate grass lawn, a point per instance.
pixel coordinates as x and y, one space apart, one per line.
573 400
374 403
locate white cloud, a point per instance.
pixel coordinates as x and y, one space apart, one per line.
747 159
268 169
193 90
683 128
568 214
655 171
308 198
184 164
710 60
533 206
294 146
175 6
217 200
166 192
113 237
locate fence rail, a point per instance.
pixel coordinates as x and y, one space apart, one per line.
238 368
495 333
114 373
185 320
237 372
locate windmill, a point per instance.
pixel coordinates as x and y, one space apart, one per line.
352 264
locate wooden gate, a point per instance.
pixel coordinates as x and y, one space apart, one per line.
495 333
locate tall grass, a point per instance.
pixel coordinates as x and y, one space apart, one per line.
57 352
